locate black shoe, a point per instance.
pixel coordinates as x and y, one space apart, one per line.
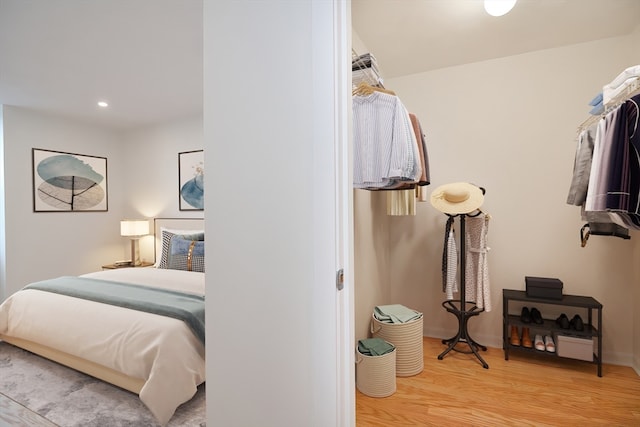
563 321
536 317
576 323
525 316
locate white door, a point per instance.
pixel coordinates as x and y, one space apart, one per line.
278 213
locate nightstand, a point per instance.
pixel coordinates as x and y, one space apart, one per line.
114 266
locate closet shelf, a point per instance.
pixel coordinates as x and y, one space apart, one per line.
364 70
631 90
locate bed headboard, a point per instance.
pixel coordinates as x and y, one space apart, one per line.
174 224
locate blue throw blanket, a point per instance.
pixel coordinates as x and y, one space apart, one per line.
178 305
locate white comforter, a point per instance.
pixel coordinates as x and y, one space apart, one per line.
161 350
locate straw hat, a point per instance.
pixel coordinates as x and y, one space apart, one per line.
457 198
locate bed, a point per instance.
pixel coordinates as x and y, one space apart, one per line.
156 355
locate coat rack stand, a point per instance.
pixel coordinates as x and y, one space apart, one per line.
462 309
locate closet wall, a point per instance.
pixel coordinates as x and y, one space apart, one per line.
508 125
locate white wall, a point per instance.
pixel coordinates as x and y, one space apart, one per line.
151 164
41 245
509 125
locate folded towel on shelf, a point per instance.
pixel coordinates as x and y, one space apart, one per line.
626 78
374 347
395 313
597 100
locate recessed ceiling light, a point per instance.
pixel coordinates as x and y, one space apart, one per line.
498 7
102 104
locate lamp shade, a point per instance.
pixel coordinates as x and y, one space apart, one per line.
134 227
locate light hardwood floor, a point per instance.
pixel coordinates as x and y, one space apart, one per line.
526 390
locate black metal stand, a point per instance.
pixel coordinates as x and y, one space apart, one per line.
463 310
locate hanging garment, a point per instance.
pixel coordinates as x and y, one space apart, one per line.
582 166
449 261
385 148
452 265
612 202
617 179
597 192
614 178
633 119
425 178
401 202
477 286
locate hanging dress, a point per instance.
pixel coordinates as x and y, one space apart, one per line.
477 286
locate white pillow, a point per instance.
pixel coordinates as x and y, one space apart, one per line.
162 249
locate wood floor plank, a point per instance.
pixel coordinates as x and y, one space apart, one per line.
12 414
526 390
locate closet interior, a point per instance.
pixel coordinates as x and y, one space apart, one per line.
390 156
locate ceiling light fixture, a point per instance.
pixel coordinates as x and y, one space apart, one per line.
102 104
498 7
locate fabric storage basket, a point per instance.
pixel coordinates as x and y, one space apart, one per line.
407 338
376 375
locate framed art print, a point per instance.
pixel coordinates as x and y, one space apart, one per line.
191 180
67 182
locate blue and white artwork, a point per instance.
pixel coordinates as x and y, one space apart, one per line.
191 176
66 182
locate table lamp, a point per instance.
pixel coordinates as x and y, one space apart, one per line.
134 229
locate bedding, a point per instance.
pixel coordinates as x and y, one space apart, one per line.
161 351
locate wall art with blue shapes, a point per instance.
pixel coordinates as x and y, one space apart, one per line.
67 182
191 180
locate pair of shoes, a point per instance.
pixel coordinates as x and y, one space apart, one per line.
538 342
549 345
576 323
533 315
515 338
526 338
536 316
563 321
545 344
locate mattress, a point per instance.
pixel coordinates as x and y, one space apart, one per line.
162 352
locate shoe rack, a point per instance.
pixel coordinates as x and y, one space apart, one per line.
591 330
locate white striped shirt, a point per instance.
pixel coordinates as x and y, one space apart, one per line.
385 146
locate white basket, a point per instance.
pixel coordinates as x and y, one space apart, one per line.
376 375
407 338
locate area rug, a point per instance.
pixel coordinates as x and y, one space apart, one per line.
70 398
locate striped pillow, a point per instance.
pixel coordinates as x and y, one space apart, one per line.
186 254
166 235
